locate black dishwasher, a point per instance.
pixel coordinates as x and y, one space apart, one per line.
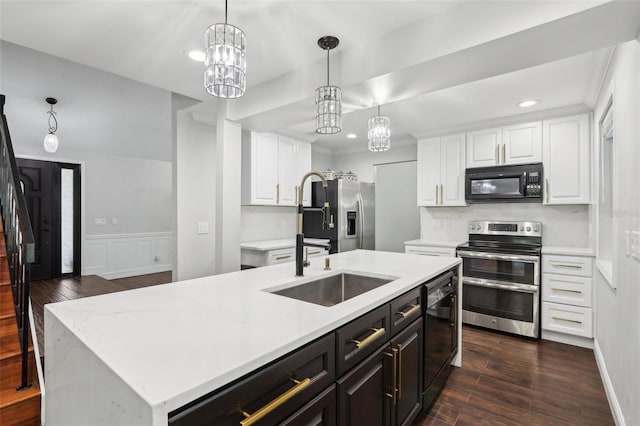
441 341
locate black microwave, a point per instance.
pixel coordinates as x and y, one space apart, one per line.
519 183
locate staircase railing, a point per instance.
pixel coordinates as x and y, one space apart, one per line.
19 240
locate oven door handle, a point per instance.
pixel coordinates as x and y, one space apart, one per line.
507 257
522 288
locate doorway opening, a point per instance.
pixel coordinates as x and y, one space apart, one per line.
52 193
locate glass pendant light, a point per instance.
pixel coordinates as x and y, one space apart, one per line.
379 133
328 98
225 60
51 140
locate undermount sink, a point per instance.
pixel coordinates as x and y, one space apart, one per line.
334 289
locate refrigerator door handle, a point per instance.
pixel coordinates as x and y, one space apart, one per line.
361 220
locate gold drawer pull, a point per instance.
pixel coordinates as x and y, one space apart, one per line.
314 252
566 320
377 332
409 312
566 290
252 418
283 257
564 265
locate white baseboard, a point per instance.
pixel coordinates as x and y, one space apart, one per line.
583 342
126 255
618 417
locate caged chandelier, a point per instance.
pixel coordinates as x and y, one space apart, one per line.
328 98
379 133
225 60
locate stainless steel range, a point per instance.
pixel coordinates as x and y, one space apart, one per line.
501 276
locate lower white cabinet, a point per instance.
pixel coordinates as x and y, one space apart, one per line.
567 288
264 253
430 250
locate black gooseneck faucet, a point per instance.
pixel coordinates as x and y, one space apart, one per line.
327 223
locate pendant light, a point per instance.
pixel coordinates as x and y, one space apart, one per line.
51 140
225 60
328 98
379 133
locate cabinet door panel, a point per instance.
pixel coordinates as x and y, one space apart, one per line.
409 346
362 393
303 161
522 143
287 171
566 156
264 168
482 147
321 411
452 175
405 309
428 171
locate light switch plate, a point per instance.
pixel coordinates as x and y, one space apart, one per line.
203 228
635 245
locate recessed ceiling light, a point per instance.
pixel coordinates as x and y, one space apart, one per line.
196 55
528 103
352 136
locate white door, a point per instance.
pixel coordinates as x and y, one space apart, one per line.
264 168
287 171
483 147
522 143
452 149
566 157
303 160
428 172
397 216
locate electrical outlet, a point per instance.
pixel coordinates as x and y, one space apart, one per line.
100 221
203 228
114 220
156 258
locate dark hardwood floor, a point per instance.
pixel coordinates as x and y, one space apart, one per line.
61 289
506 380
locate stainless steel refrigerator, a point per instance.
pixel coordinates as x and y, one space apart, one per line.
352 206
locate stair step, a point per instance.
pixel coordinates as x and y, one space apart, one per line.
20 407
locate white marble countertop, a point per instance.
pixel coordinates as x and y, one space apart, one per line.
448 244
279 244
175 342
568 251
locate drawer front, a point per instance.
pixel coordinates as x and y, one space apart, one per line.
405 309
320 411
567 319
567 289
281 256
430 251
316 251
270 394
361 337
567 265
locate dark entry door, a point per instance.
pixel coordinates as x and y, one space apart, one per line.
42 184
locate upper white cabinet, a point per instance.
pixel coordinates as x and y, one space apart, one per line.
566 156
441 171
516 144
483 147
272 168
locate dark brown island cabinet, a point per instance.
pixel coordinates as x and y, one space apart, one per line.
369 372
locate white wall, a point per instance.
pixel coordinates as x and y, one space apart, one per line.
119 129
195 198
361 162
321 159
617 317
259 223
565 226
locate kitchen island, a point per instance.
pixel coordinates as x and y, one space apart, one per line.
133 357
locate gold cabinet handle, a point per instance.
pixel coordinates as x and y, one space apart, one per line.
566 290
441 195
277 193
394 375
504 153
497 154
283 257
313 252
377 332
399 371
546 189
566 265
436 194
566 320
409 312
252 418
295 195
454 309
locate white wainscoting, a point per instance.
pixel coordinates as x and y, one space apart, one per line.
127 255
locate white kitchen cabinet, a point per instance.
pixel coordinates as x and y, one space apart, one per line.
272 167
522 143
566 156
430 250
441 171
515 144
272 252
483 147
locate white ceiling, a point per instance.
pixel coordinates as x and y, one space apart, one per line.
433 64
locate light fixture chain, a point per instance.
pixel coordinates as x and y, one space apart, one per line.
225 12
328 67
52 115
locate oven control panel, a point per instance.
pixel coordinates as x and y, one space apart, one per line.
529 229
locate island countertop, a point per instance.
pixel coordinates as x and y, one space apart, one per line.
170 344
